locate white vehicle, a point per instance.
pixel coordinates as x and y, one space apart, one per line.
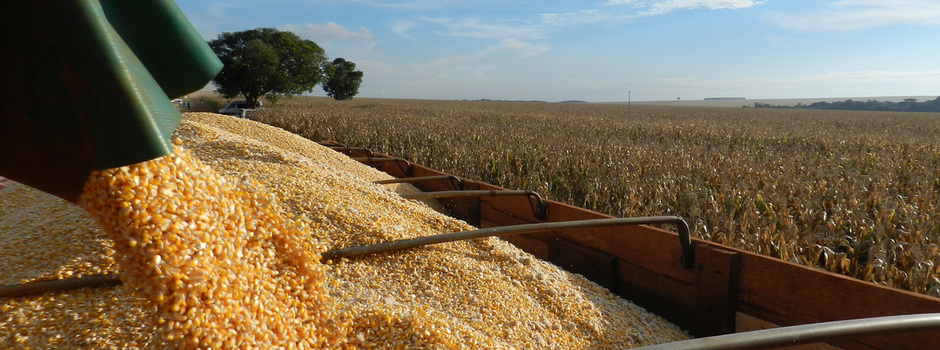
237 108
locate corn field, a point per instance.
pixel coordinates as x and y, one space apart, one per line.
855 193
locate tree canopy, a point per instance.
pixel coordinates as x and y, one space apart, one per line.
343 79
266 61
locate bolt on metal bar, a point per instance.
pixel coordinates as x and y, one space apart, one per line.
453 179
808 333
538 209
687 259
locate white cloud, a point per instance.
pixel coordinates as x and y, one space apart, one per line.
641 8
585 17
667 6
621 2
493 44
522 48
510 45
452 70
207 20
328 31
406 5
401 27
510 35
217 10
848 15
474 29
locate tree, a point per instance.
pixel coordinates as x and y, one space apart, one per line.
342 79
266 61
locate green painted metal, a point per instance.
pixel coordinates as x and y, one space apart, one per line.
87 85
165 42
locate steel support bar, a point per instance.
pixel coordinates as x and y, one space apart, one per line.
379 159
538 209
808 333
453 179
687 259
397 161
350 149
39 287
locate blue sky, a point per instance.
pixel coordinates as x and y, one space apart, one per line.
599 50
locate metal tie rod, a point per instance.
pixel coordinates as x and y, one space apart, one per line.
39 287
470 193
687 259
418 179
538 210
379 159
808 333
350 149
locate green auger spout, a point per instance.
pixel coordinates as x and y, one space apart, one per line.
86 85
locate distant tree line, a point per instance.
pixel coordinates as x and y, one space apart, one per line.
907 105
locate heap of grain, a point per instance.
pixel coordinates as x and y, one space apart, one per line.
217 245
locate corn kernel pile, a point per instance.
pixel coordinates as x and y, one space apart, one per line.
218 247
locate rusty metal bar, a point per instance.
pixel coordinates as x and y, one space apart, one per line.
397 161
39 287
688 250
538 209
351 149
457 184
379 159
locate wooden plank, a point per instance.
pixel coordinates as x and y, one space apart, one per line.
508 210
536 247
595 265
666 297
639 245
716 286
747 323
396 169
788 294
